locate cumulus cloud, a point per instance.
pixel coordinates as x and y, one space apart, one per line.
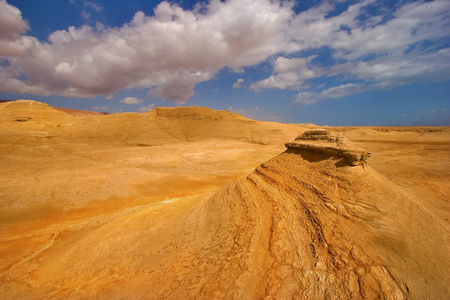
169 52
11 22
365 46
12 26
131 100
288 73
238 83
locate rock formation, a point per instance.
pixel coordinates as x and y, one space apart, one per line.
176 204
325 142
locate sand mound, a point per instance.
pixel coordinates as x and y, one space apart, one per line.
69 162
301 226
157 127
33 113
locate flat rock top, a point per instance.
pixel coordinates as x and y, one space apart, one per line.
326 142
322 135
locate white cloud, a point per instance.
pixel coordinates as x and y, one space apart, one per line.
174 50
408 68
146 108
383 54
170 52
88 7
333 92
11 22
238 83
288 73
12 26
411 23
179 86
131 100
92 5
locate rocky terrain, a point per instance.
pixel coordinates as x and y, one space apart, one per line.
192 203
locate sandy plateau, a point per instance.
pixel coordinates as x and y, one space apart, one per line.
192 203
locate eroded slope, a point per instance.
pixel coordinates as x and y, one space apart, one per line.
127 206
302 225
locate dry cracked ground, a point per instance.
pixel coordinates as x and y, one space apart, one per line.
191 203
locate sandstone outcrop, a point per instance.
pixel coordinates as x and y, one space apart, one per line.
177 204
325 142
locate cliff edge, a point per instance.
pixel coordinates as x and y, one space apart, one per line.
325 142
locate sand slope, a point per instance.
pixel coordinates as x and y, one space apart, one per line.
90 213
299 226
65 162
157 127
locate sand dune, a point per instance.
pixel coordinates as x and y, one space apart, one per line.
195 203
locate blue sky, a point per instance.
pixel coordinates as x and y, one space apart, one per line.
324 62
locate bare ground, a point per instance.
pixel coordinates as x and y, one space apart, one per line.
195 203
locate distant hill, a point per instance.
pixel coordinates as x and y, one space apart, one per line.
80 113
156 127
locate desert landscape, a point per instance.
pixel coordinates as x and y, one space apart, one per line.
193 203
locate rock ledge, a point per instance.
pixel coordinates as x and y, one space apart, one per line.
326 142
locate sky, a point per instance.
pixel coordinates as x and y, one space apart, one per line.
338 63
